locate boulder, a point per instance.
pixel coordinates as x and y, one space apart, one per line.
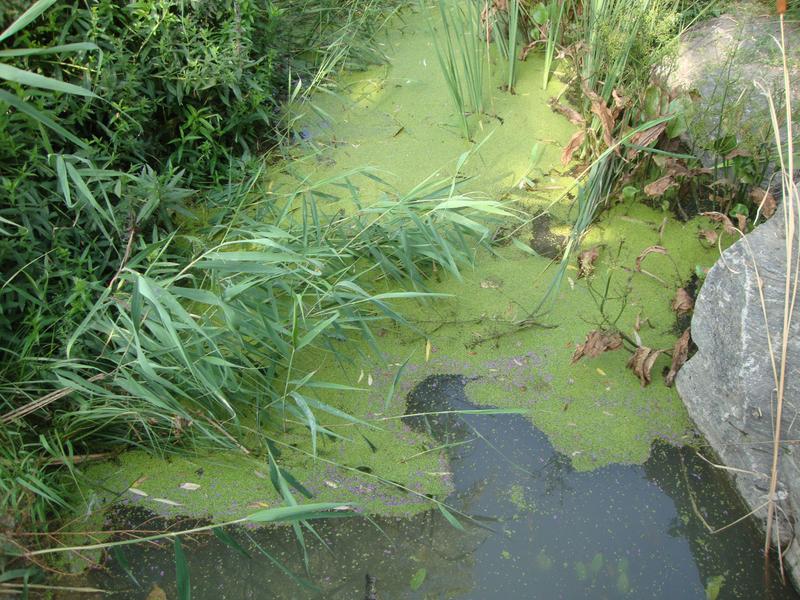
718 61
728 386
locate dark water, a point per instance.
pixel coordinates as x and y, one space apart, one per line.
540 530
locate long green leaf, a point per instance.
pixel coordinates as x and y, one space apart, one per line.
36 9
182 572
76 47
22 77
40 117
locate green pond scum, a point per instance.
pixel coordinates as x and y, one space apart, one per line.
398 121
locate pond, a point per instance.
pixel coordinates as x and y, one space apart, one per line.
530 526
584 492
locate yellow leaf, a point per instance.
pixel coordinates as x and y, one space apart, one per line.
600 372
427 350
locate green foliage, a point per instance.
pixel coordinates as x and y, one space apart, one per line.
118 326
462 57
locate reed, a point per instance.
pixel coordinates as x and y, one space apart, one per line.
462 57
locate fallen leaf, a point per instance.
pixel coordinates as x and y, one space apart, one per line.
167 502
679 355
646 251
369 379
741 221
718 217
765 200
570 113
683 302
138 492
572 146
657 188
189 486
601 372
586 260
427 350
709 235
596 343
737 152
258 504
642 363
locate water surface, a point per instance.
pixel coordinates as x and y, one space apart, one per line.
532 527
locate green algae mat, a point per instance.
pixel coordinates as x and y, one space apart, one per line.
378 134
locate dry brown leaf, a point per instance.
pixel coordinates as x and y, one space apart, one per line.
737 152
573 115
574 143
683 302
718 217
586 260
600 109
765 200
602 112
659 186
708 235
596 343
642 363
679 355
528 48
620 102
646 251
647 137
741 221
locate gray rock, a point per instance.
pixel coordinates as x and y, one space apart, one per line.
718 61
728 385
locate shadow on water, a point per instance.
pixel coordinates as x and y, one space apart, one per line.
541 530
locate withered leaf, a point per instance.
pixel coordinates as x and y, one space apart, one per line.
708 235
647 137
586 260
573 115
601 110
642 363
596 343
741 221
680 352
737 152
718 217
646 251
574 143
765 200
659 186
620 102
683 302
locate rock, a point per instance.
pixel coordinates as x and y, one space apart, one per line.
717 62
728 385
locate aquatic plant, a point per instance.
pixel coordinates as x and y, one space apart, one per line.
462 57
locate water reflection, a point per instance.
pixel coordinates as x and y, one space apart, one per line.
540 530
